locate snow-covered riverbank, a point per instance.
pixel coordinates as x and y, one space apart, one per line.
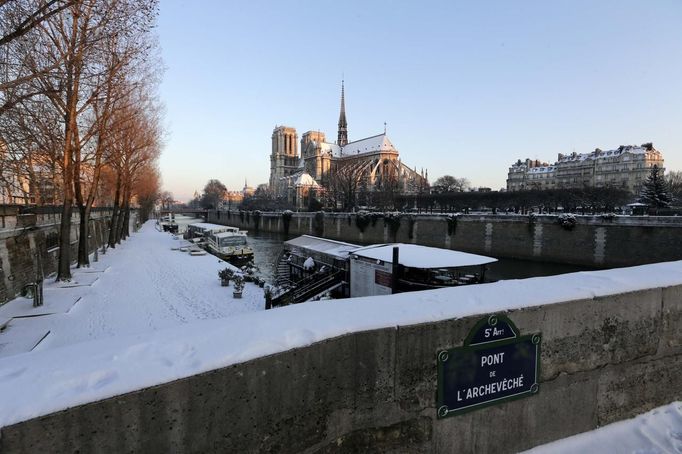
140 287
146 314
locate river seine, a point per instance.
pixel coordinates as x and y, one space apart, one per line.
267 246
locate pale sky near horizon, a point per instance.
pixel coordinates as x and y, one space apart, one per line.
466 88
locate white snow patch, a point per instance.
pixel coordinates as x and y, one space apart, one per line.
658 431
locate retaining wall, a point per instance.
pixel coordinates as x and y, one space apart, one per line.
595 241
24 236
603 359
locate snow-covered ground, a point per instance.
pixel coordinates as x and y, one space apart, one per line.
145 314
140 287
656 432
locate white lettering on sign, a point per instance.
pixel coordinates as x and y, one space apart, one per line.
506 384
493 332
489 360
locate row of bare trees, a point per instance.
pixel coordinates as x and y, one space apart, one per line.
80 120
586 200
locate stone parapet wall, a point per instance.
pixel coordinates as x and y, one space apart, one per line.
603 359
596 241
24 236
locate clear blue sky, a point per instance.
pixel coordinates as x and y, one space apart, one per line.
465 87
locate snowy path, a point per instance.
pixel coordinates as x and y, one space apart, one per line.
140 286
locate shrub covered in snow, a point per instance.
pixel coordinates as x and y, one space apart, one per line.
226 274
238 283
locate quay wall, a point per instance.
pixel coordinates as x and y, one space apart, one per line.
24 236
603 359
594 241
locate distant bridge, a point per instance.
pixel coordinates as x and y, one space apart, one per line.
199 213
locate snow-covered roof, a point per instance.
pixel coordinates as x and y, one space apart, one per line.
305 179
547 169
208 226
234 231
602 154
372 144
416 256
331 148
331 247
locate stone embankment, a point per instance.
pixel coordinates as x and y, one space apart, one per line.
594 241
24 236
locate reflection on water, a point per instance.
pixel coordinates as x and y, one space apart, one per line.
521 269
267 246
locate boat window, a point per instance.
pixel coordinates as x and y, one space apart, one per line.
233 241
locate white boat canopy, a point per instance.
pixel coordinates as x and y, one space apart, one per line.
415 256
229 233
336 248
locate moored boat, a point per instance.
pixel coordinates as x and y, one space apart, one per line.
229 245
311 266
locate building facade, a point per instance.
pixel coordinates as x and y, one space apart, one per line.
625 167
372 163
30 179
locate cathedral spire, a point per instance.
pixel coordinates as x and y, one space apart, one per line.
343 125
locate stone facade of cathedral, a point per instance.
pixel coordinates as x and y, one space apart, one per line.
371 163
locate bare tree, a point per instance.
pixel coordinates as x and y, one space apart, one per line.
344 184
167 200
448 183
83 44
133 148
674 180
20 16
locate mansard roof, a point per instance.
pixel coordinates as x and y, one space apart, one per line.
602 154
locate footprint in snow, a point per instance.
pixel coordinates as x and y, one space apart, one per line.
103 378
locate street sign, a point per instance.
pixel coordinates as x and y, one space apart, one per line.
495 365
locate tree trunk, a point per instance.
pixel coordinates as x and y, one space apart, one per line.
115 214
64 267
126 221
83 240
125 215
119 221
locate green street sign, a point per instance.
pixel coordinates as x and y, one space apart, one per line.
496 364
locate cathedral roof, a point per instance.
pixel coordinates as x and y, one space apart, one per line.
372 144
376 143
332 148
305 179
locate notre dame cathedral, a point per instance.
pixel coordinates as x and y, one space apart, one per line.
368 164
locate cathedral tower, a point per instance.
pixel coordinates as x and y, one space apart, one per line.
343 125
284 158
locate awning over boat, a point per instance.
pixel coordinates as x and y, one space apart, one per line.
233 232
206 226
335 248
415 256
